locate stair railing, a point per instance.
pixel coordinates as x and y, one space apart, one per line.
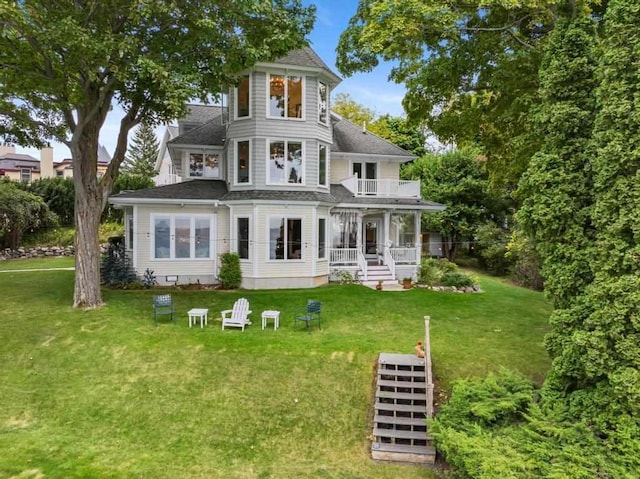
362 264
390 262
427 368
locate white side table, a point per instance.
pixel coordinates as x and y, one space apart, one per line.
275 315
196 314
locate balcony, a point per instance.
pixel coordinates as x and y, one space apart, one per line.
383 188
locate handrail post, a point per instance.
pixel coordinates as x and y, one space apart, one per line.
427 368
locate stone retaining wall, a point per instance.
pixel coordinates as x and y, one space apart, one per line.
41 252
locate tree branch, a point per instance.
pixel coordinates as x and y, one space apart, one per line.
50 129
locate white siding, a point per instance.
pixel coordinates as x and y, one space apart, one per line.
339 171
388 170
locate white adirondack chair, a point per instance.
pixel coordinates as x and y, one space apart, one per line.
238 317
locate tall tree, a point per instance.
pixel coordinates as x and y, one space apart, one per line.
470 68
345 106
63 65
143 152
457 179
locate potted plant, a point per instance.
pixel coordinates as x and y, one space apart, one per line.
379 285
406 283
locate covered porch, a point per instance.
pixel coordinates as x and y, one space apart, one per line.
364 238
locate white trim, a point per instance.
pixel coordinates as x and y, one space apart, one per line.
327 109
255 240
263 66
326 239
303 165
134 246
235 100
268 241
192 244
204 151
286 75
371 156
163 201
235 161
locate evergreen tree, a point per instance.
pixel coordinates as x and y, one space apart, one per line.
143 152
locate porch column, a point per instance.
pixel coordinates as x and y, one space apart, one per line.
417 219
387 217
359 234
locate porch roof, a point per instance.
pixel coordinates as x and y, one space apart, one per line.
186 190
344 197
277 195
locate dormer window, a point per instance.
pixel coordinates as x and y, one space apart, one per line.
285 96
243 98
323 102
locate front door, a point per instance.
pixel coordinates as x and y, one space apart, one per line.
371 234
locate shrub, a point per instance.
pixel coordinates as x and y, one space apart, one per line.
492 248
457 279
115 267
429 271
230 275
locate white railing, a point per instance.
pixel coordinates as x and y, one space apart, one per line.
428 376
362 264
389 261
383 188
343 256
405 255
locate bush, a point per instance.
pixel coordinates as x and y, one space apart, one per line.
429 271
492 248
115 267
58 194
457 279
230 275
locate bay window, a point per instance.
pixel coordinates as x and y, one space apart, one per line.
323 165
182 236
323 102
285 238
285 162
286 96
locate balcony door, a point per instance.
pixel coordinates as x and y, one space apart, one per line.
366 171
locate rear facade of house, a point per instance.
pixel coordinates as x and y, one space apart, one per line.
297 192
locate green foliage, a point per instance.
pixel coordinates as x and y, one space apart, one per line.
429 272
58 194
143 152
521 252
230 275
57 236
148 279
351 110
435 271
458 180
21 212
491 246
129 182
457 279
116 269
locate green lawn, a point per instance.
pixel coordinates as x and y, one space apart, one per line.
105 393
37 263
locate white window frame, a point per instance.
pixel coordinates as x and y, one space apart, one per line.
236 167
235 100
286 141
203 153
286 96
326 101
326 166
326 238
237 232
268 242
22 175
172 236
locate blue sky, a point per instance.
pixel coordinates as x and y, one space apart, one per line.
372 89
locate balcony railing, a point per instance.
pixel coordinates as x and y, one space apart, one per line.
343 256
383 188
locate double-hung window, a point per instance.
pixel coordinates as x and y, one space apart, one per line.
322 238
323 165
243 98
286 162
182 236
323 102
285 238
243 237
286 96
25 175
243 172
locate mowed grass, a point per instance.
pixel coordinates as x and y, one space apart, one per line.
37 263
105 393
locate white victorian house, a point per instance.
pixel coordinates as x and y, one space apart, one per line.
298 192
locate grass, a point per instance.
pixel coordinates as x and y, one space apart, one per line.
105 393
37 263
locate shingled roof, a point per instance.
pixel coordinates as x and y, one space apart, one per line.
349 138
187 190
277 195
306 57
201 113
210 133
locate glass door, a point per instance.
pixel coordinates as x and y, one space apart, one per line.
371 235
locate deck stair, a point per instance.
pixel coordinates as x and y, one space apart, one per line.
377 273
399 428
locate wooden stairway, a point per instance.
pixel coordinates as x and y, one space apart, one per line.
377 273
399 426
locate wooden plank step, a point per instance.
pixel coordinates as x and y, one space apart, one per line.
402 453
397 395
397 434
405 421
401 373
400 359
409 408
403 384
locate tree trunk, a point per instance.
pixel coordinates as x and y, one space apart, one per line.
88 210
